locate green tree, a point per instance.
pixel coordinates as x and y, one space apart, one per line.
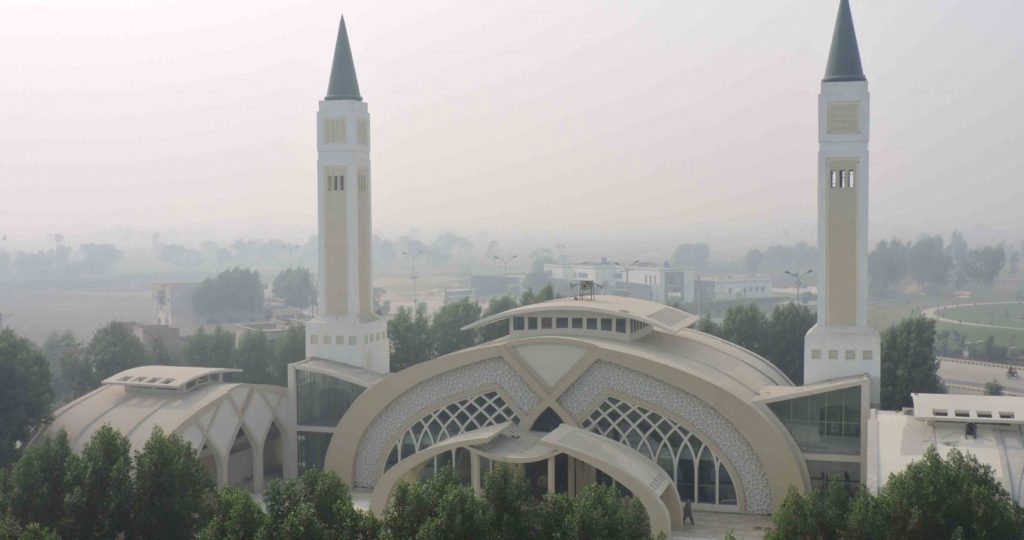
936 498
100 497
602 514
784 344
316 506
753 260
76 373
887 267
695 255
433 509
295 287
255 356
237 291
173 491
707 325
11 529
162 354
929 263
508 503
909 364
25 394
957 252
235 516
984 265
114 348
496 305
213 349
746 326
446 326
993 388
555 518
411 340
38 482
56 347
291 348
543 294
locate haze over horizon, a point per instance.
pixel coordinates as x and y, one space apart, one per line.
693 121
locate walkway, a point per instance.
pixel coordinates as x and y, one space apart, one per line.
971 375
715 525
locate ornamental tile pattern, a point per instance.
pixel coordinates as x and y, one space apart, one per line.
583 396
384 430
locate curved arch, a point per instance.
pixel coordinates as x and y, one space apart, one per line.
604 378
376 434
664 441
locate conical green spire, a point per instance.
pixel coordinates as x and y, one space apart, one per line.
343 84
844 58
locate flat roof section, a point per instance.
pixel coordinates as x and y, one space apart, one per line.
163 377
664 318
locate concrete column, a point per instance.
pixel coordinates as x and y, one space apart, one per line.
474 474
551 475
257 466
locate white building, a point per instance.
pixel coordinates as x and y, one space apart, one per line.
663 284
736 287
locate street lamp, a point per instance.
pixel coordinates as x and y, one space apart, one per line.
505 261
414 276
625 270
796 277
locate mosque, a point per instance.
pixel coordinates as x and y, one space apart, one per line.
586 389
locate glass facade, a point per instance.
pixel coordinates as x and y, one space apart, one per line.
699 474
824 472
321 399
827 423
312 449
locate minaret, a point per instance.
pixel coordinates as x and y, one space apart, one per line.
346 329
842 343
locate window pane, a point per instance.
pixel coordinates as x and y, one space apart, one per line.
577 322
591 324
606 325
726 490
706 477
620 326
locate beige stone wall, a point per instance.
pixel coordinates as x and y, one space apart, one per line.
334 256
841 232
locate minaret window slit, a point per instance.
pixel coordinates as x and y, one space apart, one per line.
835 178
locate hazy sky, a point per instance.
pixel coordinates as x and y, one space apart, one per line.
691 120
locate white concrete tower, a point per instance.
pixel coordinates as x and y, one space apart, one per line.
842 343
346 329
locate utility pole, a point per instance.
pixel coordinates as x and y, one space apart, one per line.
414 276
796 277
505 261
625 270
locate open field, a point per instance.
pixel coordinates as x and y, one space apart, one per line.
36 311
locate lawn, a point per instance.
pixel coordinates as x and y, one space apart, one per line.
1000 315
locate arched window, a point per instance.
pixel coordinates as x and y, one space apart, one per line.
849 176
835 178
697 471
459 417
